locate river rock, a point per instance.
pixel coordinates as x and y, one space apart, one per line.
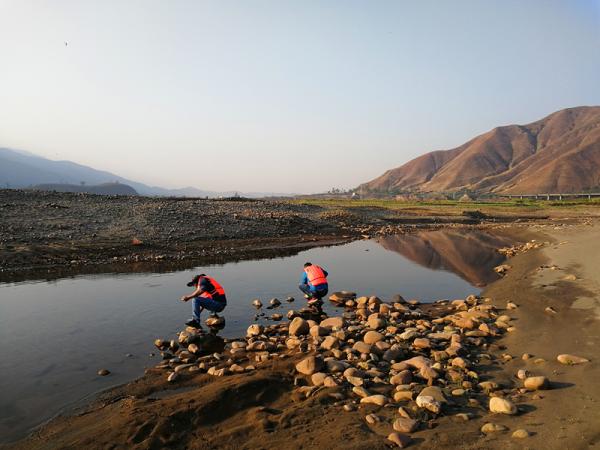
401 440
255 330
355 381
404 377
421 343
329 343
276 317
520 434
317 330
362 347
403 396
161 344
334 366
172 377
330 382
103 372
376 321
535 383
405 425
298 327
309 365
433 392
428 403
215 322
332 322
318 378
274 302
377 399
501 405
360 391
489 428
257 303
571 359
372 337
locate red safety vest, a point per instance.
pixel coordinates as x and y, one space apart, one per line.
315 275
217 291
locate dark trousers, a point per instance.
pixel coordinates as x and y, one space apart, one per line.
314 291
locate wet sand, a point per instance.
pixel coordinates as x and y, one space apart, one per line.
262 409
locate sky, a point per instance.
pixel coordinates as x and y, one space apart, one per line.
282 96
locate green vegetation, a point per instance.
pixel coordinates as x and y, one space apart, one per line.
449 205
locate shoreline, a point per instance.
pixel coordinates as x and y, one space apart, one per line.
517 283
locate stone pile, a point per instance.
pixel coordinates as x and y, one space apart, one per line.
412 363
516 249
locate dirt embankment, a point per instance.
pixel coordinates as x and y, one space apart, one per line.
554 291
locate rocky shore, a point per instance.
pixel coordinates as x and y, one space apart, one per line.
479 372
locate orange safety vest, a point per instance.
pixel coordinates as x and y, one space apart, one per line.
315 275
217 291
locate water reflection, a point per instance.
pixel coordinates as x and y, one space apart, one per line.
57 334
472 256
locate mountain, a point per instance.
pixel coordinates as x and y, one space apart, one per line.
557 154
21 169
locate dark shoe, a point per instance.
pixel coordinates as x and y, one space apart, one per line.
193 323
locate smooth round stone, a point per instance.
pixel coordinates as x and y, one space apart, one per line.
103 372
500 405
492 428
520 434
535 383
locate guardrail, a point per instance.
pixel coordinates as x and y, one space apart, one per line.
588 195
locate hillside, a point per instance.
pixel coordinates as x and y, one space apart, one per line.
559 153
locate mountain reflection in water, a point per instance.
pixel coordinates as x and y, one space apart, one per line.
472 256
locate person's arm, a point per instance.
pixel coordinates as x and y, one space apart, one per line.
196 293
303 278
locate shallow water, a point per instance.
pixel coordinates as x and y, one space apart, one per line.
56 335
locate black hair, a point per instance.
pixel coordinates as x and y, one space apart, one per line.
307 264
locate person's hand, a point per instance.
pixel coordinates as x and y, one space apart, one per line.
184 298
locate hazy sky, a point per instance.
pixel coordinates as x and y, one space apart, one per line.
282 96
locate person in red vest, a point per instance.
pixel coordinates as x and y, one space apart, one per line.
209 294
313 283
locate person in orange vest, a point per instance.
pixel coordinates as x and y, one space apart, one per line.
209 294
313 283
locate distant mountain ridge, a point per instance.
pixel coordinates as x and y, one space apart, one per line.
557 154
20 169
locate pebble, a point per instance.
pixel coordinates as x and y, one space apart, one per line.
298 327
571 359
401 440
309 365
103 372
405 425
172 377
535 383
255 330
377 399
371 419
492 428
372 337
257 303
520 434
501 405
428 403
